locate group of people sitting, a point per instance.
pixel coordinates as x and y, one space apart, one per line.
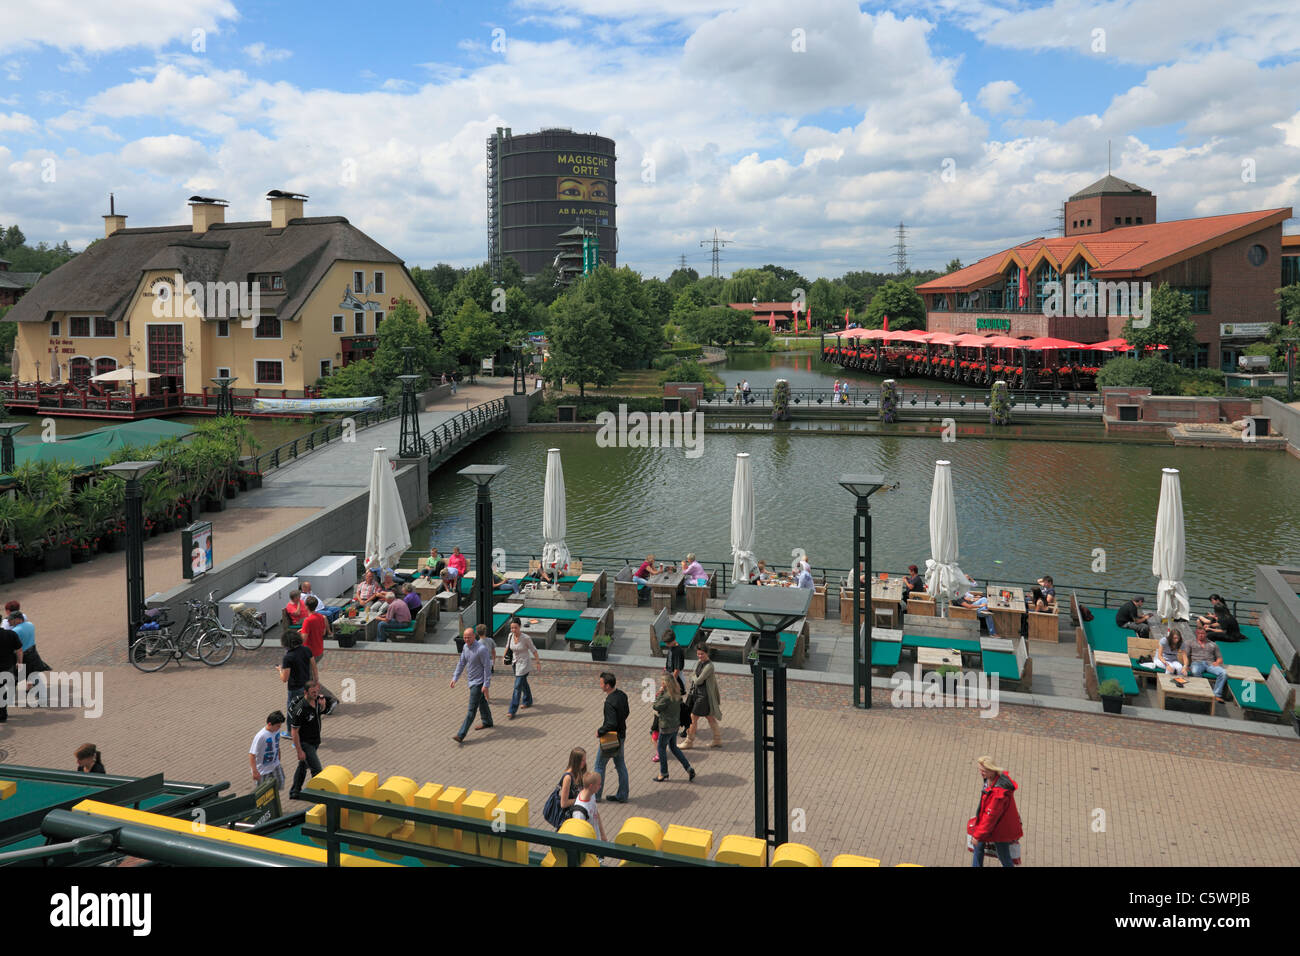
1184 659
800 575
692 571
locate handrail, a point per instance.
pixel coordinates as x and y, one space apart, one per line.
833 575
1081 403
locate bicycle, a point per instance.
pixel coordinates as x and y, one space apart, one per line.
154 646
246 631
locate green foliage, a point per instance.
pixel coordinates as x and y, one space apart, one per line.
8 334
1110 688
952 266
901 303
1170 325
760 335
681 279
1154 373
42 258
589 407
472 333
403 327
720 324
619 297
582 345
689 372
355 380
1288 303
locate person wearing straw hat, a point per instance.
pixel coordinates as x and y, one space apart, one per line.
997 821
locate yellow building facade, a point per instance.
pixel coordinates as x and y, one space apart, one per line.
276 304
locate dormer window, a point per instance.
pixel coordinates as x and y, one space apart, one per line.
270 281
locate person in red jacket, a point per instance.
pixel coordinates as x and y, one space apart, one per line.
998 820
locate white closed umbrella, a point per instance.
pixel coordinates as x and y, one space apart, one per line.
743 563
943 578
387 534
1169 554
555 553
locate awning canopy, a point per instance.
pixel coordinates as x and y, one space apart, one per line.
1047 343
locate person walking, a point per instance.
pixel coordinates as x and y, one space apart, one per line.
89 759
614 721
313 630
705 700
476 663
571 783
264 754
526 661
11 655
744 387
585 806
305 719
668 705
296 669
997 821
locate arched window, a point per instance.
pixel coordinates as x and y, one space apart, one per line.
1012 297
79 371
105 364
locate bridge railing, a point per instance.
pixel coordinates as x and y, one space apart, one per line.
918 398
454 431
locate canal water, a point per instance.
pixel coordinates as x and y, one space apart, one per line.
1024 508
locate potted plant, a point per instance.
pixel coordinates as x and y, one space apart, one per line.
1112 696
781 401
600 647
888 401
460 643
81 550
346 633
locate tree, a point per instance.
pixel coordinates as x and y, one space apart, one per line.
826 301
1288 304
541 288
1153 373
659 299
681 278
900 302
472 333
1170 325
403 326
952 266
354 380
582 346
621 298
13 238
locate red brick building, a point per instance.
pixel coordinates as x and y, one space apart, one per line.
1230 266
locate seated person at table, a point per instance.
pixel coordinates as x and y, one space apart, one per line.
433 566
295 610
980 604
648 567
804 579
1171 655
500 581
365 591
1130 617
329 613
761 574
1221 625
1048 589
458 562
412 598
692 569
1037 600
914 581
397 614
1203 657
390 581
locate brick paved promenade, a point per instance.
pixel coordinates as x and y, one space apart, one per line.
896 784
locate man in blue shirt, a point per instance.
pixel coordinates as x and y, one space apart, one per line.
26 632
476 663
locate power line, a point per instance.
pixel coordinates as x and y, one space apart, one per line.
717 244
900 250
681 262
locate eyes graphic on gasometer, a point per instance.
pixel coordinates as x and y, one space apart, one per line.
575 188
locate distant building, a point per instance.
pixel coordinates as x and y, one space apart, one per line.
14 284
324 288
1230 266
783 312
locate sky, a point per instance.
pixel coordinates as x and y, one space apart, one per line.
804 133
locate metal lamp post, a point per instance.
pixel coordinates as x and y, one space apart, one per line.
409 445
769 611
521 382
482 476
7 432
131 472
862 487
225 403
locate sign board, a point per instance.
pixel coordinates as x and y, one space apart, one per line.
489 363
196 549
998 325
1257 330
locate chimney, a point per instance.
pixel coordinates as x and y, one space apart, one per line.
113 222
207 212
285 206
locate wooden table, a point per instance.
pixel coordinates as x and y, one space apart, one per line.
663 588
1111 659
1196 688
936 657
722 640
1007 614
997 645
886 597
1243 672
507 607
542 633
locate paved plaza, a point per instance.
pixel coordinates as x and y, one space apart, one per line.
893 783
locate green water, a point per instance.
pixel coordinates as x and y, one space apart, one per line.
1024 508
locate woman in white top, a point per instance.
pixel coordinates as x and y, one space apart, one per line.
527 660
1169 652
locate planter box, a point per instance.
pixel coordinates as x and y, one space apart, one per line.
109 543
214 504
232 491
347 639
58 559
1112 705
26 565
6 566
80 555
600 653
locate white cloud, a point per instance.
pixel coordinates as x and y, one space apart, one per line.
16 123
260 54
1002 96
104 27
171 155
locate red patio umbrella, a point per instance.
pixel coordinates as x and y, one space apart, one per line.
807 320
1048 343
771 321
886 325
846 320
1024 288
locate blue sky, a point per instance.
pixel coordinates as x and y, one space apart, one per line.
808 157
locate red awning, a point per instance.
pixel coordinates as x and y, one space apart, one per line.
1046 343
971 340
911 335
1004 342
941 338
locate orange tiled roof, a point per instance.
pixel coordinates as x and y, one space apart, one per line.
764 306
1131 250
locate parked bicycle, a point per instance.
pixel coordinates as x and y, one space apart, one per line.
154 646
246 630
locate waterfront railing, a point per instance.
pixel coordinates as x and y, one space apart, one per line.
951 399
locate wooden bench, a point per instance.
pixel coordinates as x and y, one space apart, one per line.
597 579
627 593
1144 647
1013 666
660 628
413 631
698 594
817 606
1272 697
591 622
1094 674
1044 626
918 605
1282 647
958 613
686 628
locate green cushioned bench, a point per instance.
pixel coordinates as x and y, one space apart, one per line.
1252 652
583 587
581 631
1103 633
966 646
789 639
685 635
1263 702
885 653
1000 664
565 619
1127 682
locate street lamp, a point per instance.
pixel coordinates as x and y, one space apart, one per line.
7 432
409 445
862 487
225 403
521 382
482 476
769 611
131 472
